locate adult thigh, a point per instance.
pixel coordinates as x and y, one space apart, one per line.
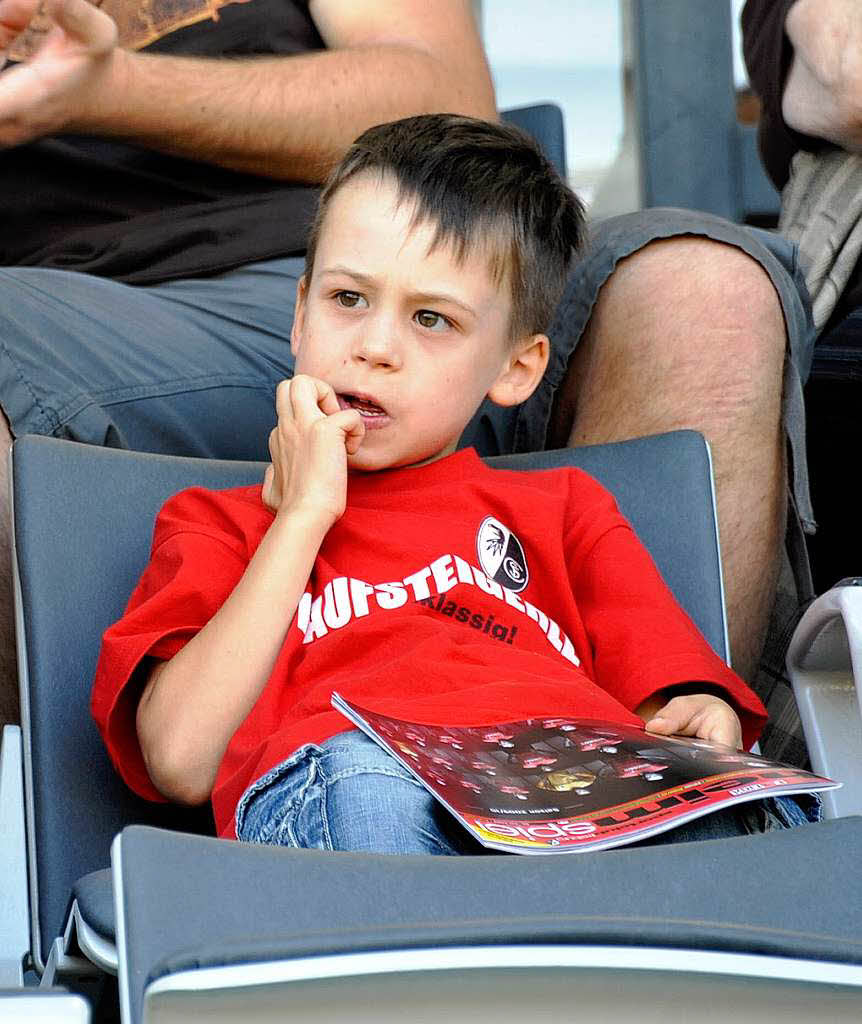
186 367
547 416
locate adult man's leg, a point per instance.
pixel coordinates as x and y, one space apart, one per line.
689 332
186 368
715 310
673 318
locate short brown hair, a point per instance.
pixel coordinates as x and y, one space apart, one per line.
479 182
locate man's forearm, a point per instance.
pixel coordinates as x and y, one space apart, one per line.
282 117
823 92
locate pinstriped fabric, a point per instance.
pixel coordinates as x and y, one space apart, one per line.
821 210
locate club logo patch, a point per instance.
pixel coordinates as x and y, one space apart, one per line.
501 555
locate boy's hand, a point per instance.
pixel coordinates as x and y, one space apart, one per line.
309 448
701 715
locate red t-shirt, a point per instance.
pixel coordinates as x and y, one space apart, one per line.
446 594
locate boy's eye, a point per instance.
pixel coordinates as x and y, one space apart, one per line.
432 321
350 300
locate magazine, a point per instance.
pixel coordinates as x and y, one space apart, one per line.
565 785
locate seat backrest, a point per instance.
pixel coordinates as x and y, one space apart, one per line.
83 520
543 122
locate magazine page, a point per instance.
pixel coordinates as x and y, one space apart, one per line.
561 785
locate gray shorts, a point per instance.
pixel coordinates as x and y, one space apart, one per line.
190 367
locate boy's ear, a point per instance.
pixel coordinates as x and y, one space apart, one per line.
298 315
522 372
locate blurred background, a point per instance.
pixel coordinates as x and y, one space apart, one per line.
657 112
578 53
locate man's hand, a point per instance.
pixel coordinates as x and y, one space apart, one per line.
700 715
823 91
289 117
47 94
309 448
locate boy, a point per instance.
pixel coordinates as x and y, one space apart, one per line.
440 249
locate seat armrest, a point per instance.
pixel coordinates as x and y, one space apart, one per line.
14 919
824 661
56 1005
202 915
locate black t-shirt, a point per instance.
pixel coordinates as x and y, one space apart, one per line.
768 53
135 215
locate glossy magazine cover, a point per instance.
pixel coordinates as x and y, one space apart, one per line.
563 785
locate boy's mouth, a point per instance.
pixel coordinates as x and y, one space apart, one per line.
372 414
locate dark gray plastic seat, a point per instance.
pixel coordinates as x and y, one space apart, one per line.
544 122
83 523
289 927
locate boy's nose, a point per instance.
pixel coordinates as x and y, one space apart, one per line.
379 347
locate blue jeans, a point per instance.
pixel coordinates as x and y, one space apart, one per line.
349 794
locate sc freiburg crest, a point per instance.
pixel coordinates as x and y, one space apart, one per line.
501 555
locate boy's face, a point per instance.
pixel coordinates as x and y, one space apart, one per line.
411 338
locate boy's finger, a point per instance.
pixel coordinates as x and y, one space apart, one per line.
311 398
718 723
274 444
672 718
723 729
663 725
355 434
689 716
681 716
283 407
17 88
327 400
266 494
349 422
303 401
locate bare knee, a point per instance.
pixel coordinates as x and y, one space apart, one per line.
697 296
686 332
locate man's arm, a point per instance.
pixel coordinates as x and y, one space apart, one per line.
284 117
823 93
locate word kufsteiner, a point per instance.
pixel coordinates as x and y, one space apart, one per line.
345 598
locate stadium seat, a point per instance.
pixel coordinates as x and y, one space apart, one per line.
544 123
82 525
181 917
730 929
